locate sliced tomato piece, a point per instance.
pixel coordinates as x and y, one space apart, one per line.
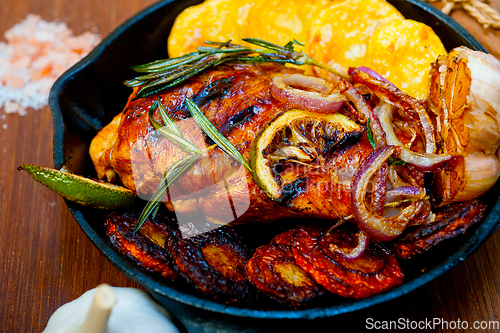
373 272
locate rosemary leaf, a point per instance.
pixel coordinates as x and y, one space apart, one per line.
155 211
266 44
169 122
214 134
172 173
172 136
182 75
167 73
369 134
165 64
207 49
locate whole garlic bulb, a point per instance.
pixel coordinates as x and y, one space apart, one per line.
465 99
112 310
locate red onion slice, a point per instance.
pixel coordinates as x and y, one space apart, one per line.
378 227
392 95
354 253
359 102
426 162
379 192
407 192
370 72
307 92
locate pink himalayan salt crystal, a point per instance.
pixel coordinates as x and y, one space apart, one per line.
35 54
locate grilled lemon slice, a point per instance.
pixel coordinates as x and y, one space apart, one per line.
81 190
295 143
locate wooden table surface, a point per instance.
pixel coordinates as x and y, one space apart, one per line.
46 260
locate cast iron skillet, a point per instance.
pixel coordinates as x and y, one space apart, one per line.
89 94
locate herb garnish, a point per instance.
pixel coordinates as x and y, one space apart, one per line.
391 160
173 134
163 74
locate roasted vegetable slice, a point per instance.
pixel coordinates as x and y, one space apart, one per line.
214 263
145 247
295 143
273 270
315 249
450 221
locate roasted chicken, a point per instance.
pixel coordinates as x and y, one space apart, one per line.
237 99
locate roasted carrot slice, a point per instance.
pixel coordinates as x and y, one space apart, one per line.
145 247
273 270
315 249
450 221
214 263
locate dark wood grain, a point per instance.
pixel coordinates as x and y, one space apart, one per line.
47 260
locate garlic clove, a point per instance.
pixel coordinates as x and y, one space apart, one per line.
134 311
481 173
471 177
483 116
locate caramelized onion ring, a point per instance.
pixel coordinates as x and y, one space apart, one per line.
359 102
380 228
371 72
409 192
426 162
363 240
317 94
409 105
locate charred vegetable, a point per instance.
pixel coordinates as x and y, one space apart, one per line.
146 247
450 221
214 263
273 270
374 271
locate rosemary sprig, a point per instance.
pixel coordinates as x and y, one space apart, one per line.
172 173
171 131
214 134
166 73
369 134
